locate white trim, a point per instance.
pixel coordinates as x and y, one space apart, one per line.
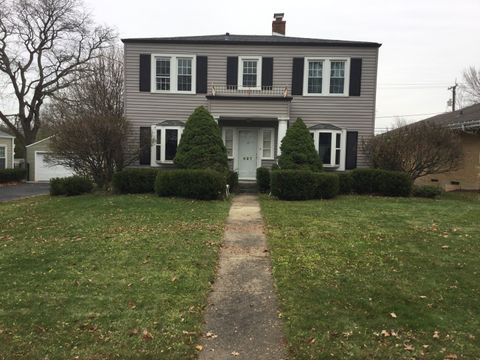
39 141
7 137
272 143
333 147
326 76
5 154
241 59
173 73
232 129
13 152
153 149
282 131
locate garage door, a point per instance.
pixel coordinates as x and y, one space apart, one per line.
45 171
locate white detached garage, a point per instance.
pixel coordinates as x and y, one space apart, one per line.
39 169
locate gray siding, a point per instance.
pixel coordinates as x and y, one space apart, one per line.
8 143
352 113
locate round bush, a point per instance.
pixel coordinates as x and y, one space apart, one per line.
293 184
70 186
263 179
426 191
327 185
193 184
134 181
8 175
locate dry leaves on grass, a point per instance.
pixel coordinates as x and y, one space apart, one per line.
235 353
393 315
199 347
146 335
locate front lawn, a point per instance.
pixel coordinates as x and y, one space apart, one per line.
378 278
103 277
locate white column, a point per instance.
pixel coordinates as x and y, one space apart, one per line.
153 147
282 131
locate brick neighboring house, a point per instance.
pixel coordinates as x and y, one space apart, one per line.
254 86
467 177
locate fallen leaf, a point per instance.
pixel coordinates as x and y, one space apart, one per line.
199 347
445 247
147 335
408 347
385 333
423 297
451 357
131 305
393 315
436 335
235 353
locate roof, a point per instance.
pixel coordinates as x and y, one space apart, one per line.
171 123
232 39
39 141
465 117
324 127
5 135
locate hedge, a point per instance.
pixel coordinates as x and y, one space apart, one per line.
193 184
303 185
345 183
70 186
134 181
232 181
382 182
8 175
426 191
263 179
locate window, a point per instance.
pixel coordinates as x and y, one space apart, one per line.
330 145
326 77
3 157
249 74
166 142
174 73
228 140
267 144
315 75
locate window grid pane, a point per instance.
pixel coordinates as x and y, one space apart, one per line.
163 74
325 147
171 137
184 74
315 70
338 144
267 143
337 77
2 152
229 142
158 146
250 73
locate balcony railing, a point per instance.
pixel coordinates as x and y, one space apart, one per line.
233 90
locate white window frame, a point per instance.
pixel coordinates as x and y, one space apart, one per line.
241 59
326 76
234 140
5 156
173 73
153 154
333 147
272 143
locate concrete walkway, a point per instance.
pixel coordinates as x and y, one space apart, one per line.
242 321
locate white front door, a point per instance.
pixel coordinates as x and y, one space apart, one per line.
247 154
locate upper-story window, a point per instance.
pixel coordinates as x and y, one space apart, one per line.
174 73
326 76
250 72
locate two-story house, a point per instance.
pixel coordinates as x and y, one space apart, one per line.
254 86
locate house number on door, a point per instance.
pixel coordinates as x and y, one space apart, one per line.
248 158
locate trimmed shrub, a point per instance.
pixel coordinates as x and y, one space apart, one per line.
327 185
293 184
298 149
70 186
383 182
263 179
134 181
232 180
201 145
193 184
345 183
427 191
8 175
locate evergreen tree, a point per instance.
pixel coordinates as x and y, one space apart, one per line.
298 149
201 145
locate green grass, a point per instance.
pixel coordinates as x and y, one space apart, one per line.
343 266
104 277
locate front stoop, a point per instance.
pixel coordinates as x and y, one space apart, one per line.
242 320
248 187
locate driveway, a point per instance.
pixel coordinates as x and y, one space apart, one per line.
13 192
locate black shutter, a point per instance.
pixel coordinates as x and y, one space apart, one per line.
267 72
145 70
202 74
232 71
297 76
352 143
355 76
145 144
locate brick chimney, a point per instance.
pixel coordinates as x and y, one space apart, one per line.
278 25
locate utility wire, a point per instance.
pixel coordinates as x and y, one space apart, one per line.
404 115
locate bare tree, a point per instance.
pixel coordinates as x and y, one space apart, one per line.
418 149
88 123
469 93
45 46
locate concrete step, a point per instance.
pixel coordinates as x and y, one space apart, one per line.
247 187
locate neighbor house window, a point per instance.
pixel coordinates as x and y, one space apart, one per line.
326 76
267 143
166 142
249 74
330 145
228 140
174 73
3 158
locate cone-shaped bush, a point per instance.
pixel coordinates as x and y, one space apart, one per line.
201 145
298 149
